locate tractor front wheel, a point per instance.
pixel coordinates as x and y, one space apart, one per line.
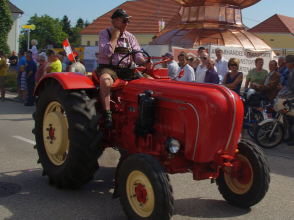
246 183
67 136
144 188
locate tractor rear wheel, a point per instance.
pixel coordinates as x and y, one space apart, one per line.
67 139
246 183
144 188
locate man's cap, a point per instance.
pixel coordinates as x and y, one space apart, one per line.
168 54
290 59
120 13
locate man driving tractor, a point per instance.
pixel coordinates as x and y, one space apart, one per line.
114 43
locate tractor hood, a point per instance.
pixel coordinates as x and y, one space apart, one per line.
201 116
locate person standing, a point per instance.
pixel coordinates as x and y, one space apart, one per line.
21 79
42 60
172 65
202 68
189 75
77 66
13 60
62 57
233 79
54 64
200 51
283 70
271 87
3 73
287 93
257 75
95 63
31 68
221 64
193 61
34 49
211 75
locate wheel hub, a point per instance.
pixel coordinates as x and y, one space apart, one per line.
51 133
141 193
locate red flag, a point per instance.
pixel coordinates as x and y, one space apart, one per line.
69 53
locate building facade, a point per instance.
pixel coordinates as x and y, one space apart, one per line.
13 36
278 32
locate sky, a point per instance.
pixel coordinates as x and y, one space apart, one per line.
91 9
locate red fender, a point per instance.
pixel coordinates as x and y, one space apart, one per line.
68 80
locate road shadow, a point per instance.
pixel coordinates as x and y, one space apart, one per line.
17 119
281 164
14 108
207 208
39 200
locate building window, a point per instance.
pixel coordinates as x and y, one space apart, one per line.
96 43
88 43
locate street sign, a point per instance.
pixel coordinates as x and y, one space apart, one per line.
31 27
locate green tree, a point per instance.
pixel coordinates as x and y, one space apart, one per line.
75 37
48 31
66 26
80 23
87 23
5 25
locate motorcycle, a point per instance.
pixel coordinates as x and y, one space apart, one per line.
257 109
271 132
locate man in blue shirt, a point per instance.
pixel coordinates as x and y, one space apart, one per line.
30 68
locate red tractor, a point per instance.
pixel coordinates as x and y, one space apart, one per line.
160 127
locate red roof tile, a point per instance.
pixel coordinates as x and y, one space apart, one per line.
145 16
275 24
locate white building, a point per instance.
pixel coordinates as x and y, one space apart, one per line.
13 36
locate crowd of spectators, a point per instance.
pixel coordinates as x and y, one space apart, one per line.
31 66
203 69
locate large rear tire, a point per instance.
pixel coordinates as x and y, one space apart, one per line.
144 189
246 183
67 139
262 135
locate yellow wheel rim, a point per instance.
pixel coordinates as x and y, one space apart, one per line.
140 193
239 179
55 133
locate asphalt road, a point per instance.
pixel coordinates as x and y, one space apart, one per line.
33 198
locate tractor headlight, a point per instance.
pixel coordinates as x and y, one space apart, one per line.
173 145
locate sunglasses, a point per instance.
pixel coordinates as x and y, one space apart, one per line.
233 64
126 21
204 58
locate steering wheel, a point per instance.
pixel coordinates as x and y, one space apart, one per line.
133 53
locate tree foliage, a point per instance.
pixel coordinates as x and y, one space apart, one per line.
80 23
52 31
5 25
66 26
48 31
